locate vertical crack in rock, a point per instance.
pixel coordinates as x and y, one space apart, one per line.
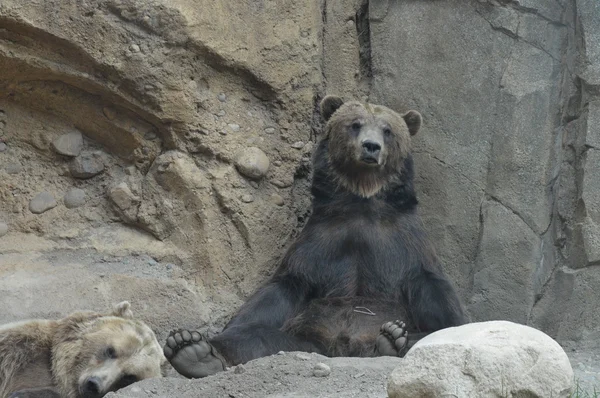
363 31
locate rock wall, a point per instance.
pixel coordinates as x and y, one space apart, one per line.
159 151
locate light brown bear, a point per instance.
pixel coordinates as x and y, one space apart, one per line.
84 355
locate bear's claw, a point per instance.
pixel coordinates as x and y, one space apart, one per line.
392 340
192 355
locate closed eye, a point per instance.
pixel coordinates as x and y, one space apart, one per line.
110 352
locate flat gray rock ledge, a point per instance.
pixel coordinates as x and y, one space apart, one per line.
484 360
286 375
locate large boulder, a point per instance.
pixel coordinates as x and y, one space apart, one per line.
487 359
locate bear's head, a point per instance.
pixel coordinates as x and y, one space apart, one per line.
94 354
368 143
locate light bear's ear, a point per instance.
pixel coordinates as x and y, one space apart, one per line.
123 310
413 120
329 105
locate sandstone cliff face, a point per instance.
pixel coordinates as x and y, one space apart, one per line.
159 151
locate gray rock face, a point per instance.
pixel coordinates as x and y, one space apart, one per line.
69 144
75 197
506 168
484 360
42 202
252 162
86 166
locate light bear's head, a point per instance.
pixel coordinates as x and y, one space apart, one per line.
368 143
97 353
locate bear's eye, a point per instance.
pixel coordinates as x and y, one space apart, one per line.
387 132
356 126
110 352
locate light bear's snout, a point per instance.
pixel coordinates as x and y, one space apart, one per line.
92 387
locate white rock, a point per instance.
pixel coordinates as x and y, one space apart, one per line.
252 162
481 360
69 144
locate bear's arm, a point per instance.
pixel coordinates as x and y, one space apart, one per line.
277 301
433 302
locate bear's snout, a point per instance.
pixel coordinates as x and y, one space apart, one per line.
371 150
92 387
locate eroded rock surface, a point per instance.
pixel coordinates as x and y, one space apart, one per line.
166 95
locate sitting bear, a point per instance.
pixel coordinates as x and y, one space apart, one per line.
362 260
84 355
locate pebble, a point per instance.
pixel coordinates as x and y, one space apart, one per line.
298 145
221 113
222 132
169 266
13 168
222 97
69 144
270 130
150 135
75 197
3 228
122 196
234 127
283 183
277 199
277 163
3 147
42 202
303 356
152 262
252 162
86 166
134 48
321 370
239 369
247 198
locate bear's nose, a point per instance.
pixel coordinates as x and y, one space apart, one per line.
371 147
92 387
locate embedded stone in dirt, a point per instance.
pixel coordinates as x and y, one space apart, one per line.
321 370
484 359
3 228
247 198
13 168
252 162
69 144
86 166
3 147
125 201
42 202
75 197
277 199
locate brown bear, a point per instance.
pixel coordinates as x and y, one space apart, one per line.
84 355
362 261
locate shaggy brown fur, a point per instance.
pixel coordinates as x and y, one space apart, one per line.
363 121
86 354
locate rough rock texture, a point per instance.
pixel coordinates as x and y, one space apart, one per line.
492 359
506 158
285 375
167 95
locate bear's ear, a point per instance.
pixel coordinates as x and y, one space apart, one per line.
329 105
123 310
413 120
